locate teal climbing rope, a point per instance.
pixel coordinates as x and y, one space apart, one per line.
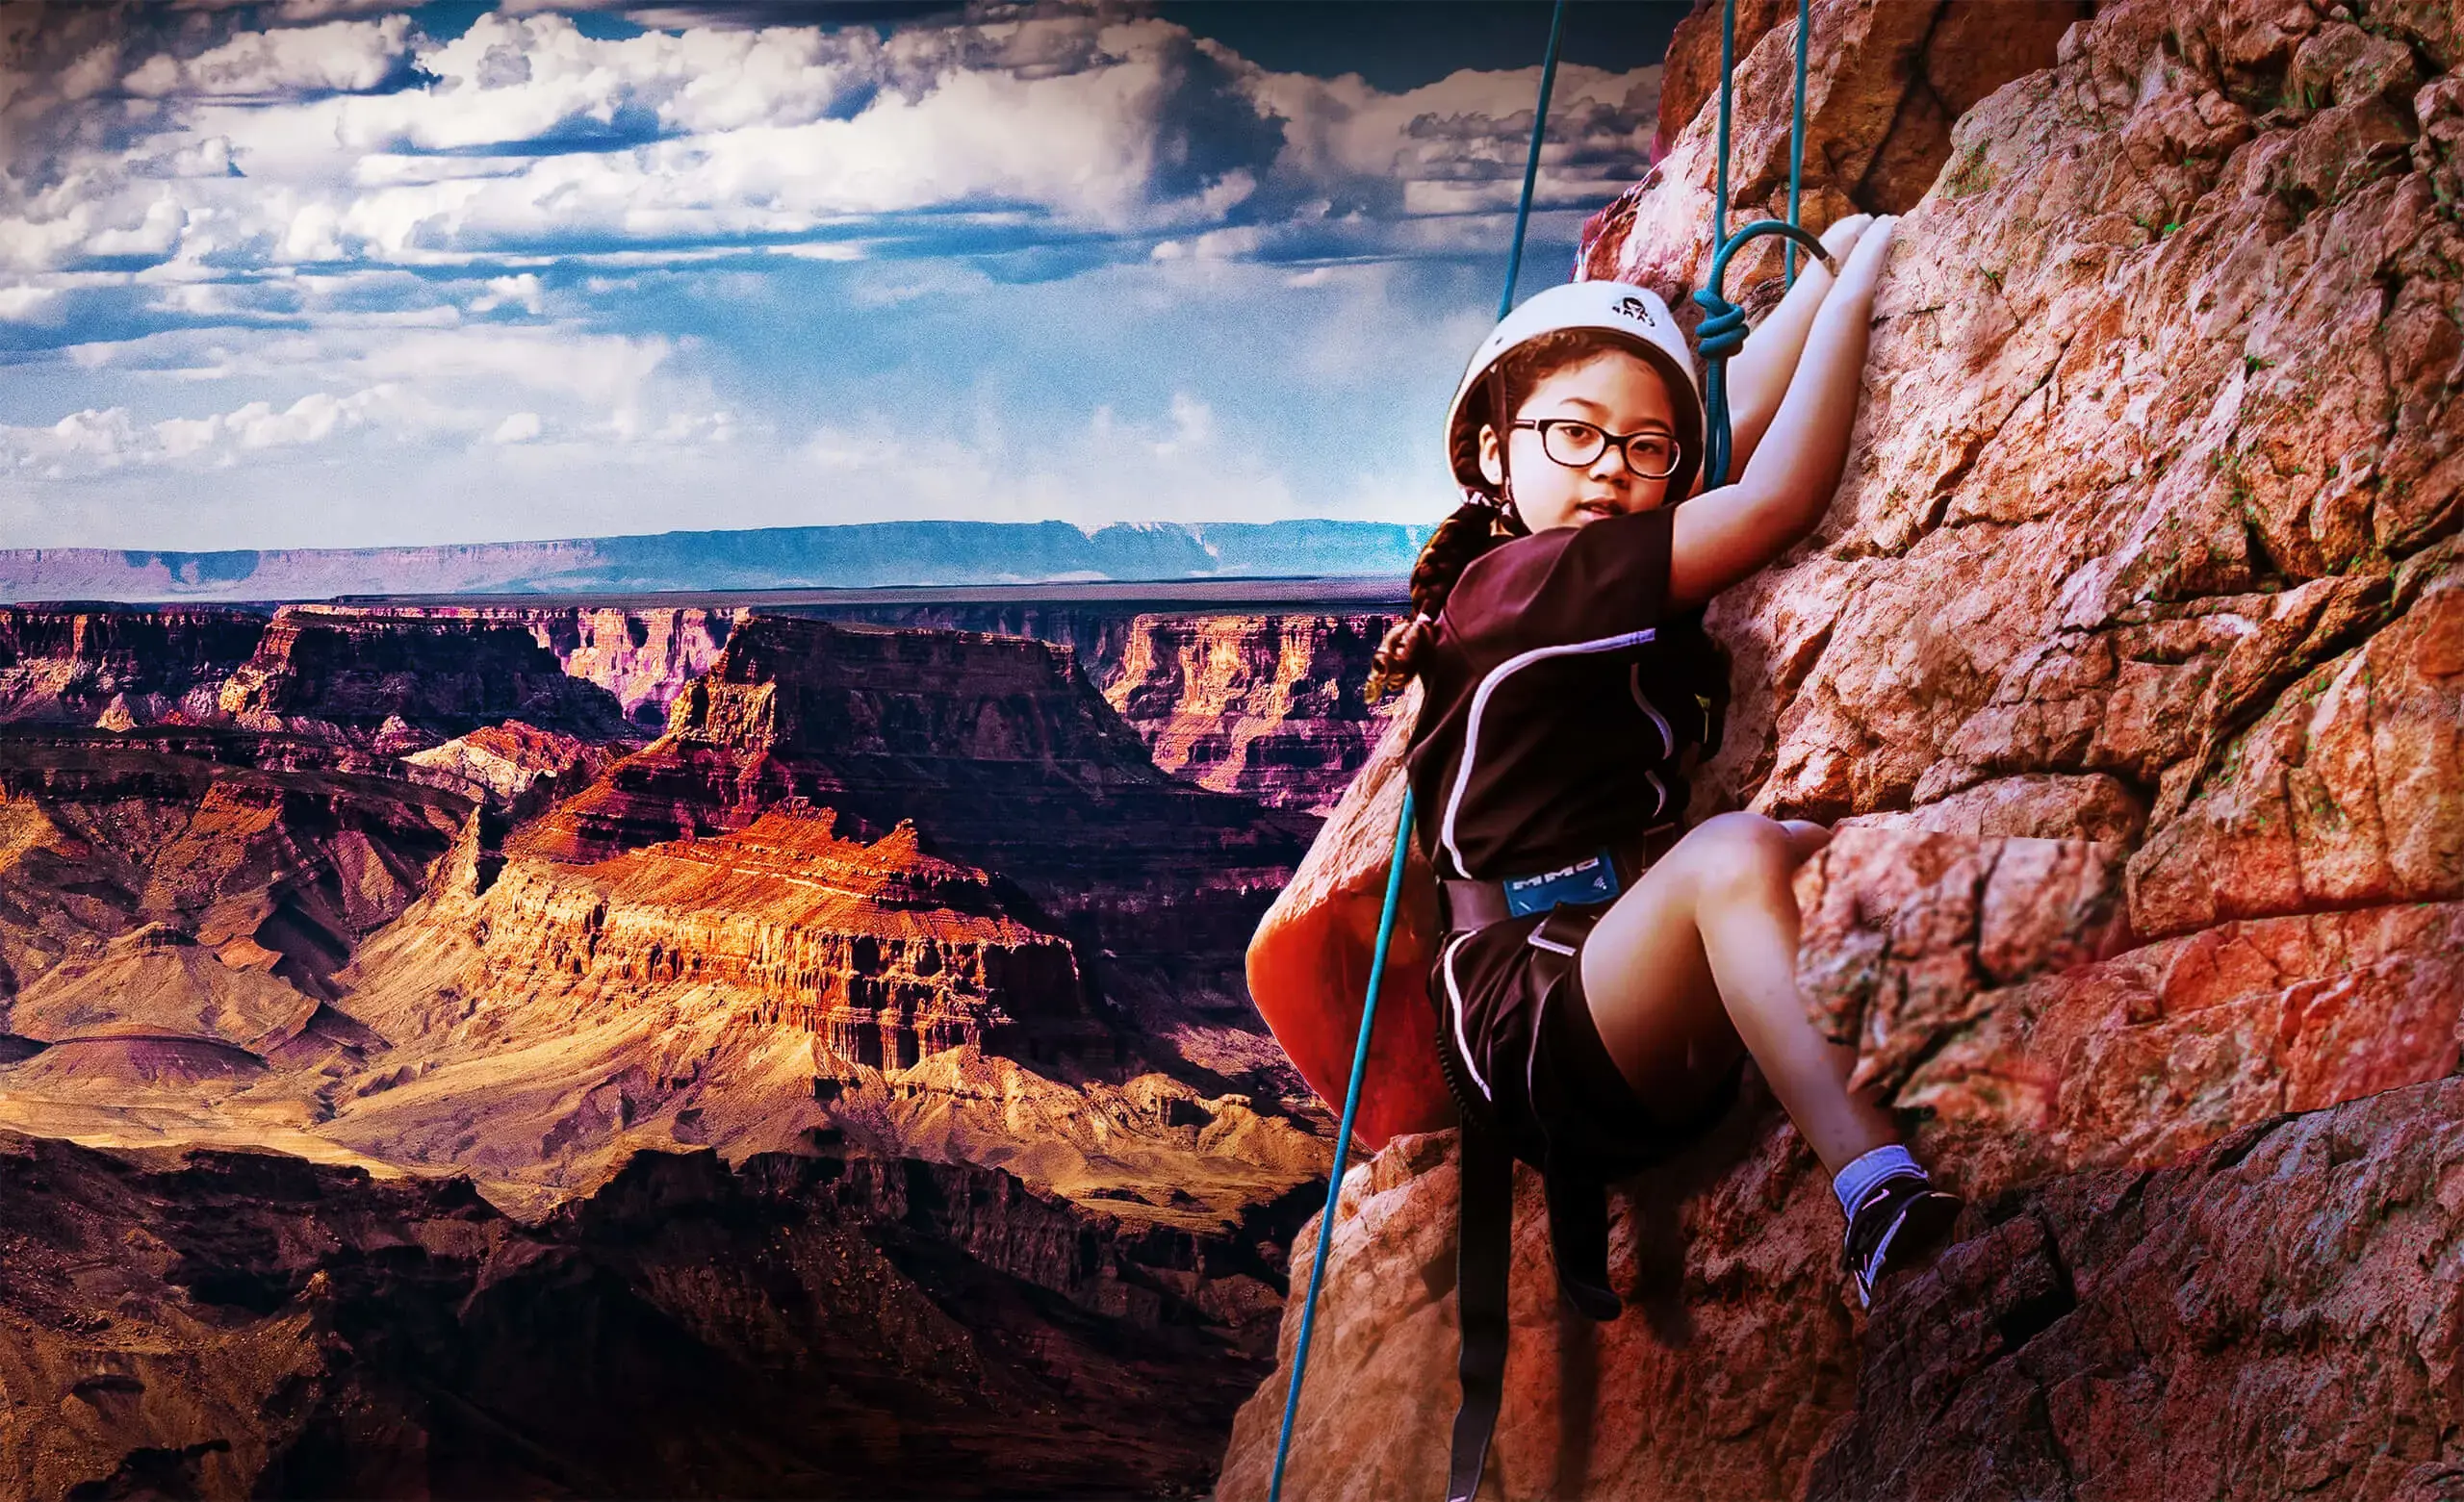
1402 844
1722 331
1797 132
1532 159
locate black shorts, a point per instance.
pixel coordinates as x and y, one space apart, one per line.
1512 1015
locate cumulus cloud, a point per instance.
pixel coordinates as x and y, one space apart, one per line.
341 57
367 141
90 443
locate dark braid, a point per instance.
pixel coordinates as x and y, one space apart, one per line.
1471 531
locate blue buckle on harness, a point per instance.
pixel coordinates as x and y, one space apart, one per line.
1582 884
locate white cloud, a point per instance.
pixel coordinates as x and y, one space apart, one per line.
520 427
26 303
337 58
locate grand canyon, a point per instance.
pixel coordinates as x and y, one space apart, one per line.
589 1046
847 1012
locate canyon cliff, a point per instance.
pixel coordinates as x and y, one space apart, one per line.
229 1324
1267 707
67 664
2127 663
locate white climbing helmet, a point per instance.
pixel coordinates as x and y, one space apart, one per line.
1632 315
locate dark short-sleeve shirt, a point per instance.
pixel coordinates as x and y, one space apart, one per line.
1561 700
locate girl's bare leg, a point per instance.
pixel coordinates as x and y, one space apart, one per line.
1700 957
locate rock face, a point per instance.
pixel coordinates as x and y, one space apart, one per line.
288 1329
402 682
1267 707
67 665
274 855
2126 662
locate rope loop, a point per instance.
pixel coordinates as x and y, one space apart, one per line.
1721 334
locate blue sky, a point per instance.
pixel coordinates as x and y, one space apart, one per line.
326 273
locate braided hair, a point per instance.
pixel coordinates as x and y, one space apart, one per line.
1485 518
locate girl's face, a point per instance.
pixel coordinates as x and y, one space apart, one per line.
1613 392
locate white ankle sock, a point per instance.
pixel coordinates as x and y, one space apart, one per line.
1857 1179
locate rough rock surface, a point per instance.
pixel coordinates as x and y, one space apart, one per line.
243 1324
2127 660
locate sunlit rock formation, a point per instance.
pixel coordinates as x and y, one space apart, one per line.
2127 660
1267 707
516 765
1003 757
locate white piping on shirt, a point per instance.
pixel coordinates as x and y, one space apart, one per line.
1480 701
1455 996
1667 736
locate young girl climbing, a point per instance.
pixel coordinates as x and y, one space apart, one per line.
1604 969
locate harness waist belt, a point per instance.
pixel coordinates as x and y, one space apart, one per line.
1597 879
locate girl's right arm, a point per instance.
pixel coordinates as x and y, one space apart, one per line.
1759 376
1720 536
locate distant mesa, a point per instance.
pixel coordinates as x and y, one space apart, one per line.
860 555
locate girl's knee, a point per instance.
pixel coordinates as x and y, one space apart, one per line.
1742 848
1804 838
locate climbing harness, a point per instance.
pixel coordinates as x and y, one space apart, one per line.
1577 1201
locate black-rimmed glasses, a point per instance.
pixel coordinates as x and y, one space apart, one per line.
1651 453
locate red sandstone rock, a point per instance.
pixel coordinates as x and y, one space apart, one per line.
2281 1309
59 664
403 681
1267 707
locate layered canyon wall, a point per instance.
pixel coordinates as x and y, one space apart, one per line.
67 664
1265 705
2125 662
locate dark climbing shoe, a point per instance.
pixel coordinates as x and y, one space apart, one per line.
1902 1218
